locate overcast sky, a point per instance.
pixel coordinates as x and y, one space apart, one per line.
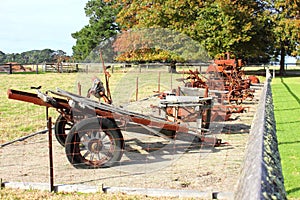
39 24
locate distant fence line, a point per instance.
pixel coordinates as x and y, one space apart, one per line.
96 67
46 67
119 67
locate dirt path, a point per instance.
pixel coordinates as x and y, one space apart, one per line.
173 166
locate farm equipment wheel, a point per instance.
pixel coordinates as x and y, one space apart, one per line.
62 128
94 143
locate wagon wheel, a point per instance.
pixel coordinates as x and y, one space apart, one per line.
94 143
62 128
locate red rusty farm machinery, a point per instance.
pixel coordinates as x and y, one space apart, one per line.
91 131
233 78
225 80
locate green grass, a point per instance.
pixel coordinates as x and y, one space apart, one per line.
286 97
17 194
18 118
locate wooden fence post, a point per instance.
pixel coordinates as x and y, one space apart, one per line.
137 89
158 85
10 68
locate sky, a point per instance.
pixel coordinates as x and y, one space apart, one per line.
39 24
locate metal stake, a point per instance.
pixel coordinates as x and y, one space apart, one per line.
79 88
137 89
50 155
158 86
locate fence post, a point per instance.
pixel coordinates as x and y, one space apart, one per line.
158 86
79 88
37 69
10 68
76 67
49 124
171 81
137 89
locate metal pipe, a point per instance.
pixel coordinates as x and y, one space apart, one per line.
158 86
137 89
50 155
79 88
24 138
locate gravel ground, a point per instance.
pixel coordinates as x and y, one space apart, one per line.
171 165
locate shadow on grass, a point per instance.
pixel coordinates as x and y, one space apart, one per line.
293 190
290 91
285 122
293 142
286 109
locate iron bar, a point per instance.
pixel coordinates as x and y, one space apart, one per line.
50 154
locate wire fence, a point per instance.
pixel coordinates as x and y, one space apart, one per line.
148 161
10 68
261 176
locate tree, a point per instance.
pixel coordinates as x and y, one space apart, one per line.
101 26
2 57
158 45
239 27
31 57
46 55
219 26
285 17
168 44
251 29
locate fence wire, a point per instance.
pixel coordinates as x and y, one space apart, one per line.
148 161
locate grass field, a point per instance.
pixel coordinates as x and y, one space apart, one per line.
15 194
20 118
286 97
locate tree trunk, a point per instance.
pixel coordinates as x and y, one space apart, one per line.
172 68
282 56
